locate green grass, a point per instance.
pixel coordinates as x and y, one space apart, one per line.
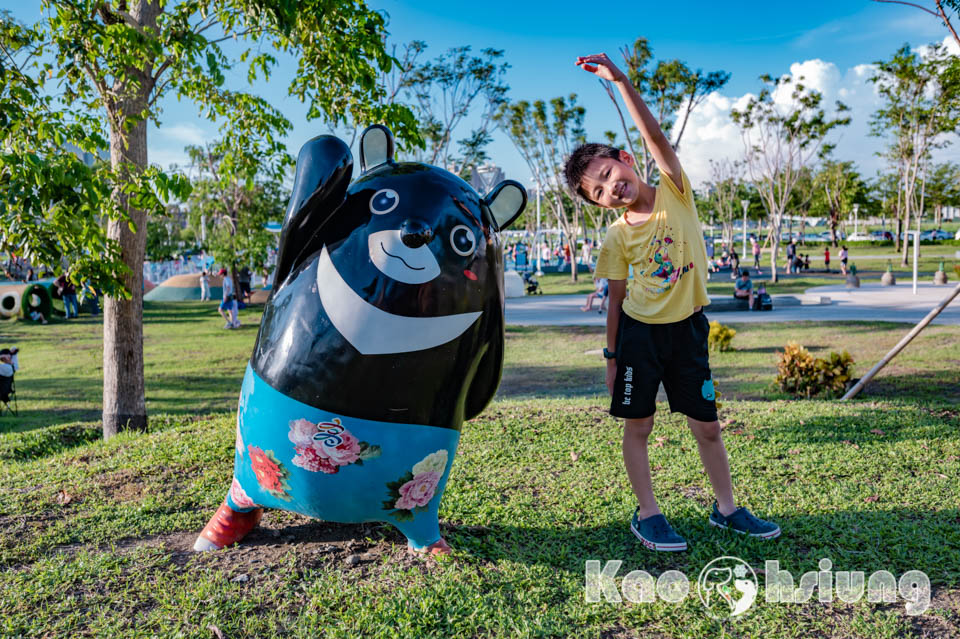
95 536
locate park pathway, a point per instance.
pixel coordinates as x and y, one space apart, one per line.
871 302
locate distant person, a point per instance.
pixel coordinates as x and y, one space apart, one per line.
68 293
9 364
710 248
244 279
826 258
228 303
734 263
586 254
204 285
797 263
755 249
791 253
601 287
806 262
744 287
843 260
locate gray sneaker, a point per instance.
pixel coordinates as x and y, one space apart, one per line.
744 522
657 534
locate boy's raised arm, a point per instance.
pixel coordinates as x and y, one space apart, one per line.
664 155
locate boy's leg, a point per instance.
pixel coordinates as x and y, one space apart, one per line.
635 458
713 454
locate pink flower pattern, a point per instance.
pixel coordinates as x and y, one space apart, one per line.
310 458
323 447
418 491
239 495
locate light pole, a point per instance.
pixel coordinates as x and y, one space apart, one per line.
856 219
744 204
537 235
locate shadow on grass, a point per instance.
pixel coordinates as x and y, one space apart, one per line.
940 387
897 540
551 381
774 349
856 428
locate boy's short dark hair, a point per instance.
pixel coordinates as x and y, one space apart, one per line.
744 272
581 157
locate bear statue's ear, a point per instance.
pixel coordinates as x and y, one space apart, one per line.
376 146
506 202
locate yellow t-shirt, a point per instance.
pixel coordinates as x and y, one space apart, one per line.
668 256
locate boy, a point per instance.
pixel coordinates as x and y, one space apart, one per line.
661 333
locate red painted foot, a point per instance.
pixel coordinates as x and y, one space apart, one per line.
227 527
436 548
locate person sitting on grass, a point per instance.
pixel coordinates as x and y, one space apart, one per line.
743 287
658 332
806 262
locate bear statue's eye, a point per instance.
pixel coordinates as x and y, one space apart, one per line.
384 201
462 240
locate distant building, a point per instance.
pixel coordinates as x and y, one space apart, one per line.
485 177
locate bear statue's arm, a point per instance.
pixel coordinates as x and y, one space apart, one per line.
487 377
324 169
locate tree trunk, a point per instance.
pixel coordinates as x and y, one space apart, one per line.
906 237
774 247
124 405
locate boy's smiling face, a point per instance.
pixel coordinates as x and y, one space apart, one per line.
611 182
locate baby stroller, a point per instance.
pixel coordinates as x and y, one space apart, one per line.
533 286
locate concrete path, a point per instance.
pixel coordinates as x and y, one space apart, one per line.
871 302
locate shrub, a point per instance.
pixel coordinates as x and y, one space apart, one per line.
720 337
803 375
833 373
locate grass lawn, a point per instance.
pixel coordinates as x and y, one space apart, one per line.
95 537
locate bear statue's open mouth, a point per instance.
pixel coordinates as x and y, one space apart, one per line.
373 331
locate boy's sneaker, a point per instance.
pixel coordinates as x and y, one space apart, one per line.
744 522
657 534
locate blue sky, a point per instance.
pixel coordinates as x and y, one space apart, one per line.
541 40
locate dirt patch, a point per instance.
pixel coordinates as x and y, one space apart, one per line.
360 549
122 485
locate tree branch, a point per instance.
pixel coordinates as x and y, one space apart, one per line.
910 4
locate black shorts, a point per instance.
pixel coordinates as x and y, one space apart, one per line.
675 354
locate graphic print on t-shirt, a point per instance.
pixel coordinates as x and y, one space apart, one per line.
663 272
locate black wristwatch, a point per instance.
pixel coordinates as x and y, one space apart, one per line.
609 354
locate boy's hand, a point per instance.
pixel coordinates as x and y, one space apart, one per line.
611 375
600 65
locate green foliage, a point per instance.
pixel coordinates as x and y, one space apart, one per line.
118 61
802 375
720 337
445 89
545 135
781 140
238 190
672 91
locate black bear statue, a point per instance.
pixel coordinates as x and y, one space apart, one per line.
383 332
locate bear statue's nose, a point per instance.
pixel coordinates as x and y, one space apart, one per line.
415 233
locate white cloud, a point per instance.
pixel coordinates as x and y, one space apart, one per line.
182 133
711 134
